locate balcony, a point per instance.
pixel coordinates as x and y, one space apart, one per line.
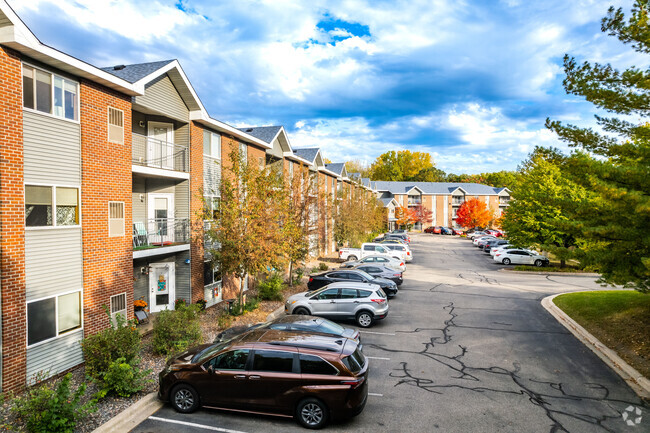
504 201
160 236
457 201
414 201
157 154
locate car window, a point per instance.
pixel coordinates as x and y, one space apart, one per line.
271 360
355 361
368 247
368 260
336 275
365 275
279 326
354 277
348 293
230 360
364 293
373 270
330 327
329 294
380 249
381 259
312 364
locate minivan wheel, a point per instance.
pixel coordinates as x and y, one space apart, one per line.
311 413
364 319
352 258
184 398
301 311
506 261
539 263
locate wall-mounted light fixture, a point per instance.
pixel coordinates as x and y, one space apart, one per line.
141 123
142 198
145 270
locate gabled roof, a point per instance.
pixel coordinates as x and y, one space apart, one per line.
337 167
136 72
439 188
387 201
453 189
264 133
410 188
366 181
307 153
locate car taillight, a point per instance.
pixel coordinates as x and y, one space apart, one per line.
354 383
340 253
408 253
401 264
311 279
379 300
497 254
397 275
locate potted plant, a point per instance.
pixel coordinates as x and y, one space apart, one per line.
139 305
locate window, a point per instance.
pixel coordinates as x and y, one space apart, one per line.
212 145
211 274
275 361
42 202
329 294
118 306
348 293
212 206
364 293
115 218
260 162
48 318
50 93
312 364
231 360
355 277
368 247
115 125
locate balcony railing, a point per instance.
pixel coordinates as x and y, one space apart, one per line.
414 201
160 232
151 152
504 201
457 201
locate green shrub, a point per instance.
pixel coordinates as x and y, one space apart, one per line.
323 266
121 340
201 303
271 288
124 379
250 305
176 330
300 272
49 409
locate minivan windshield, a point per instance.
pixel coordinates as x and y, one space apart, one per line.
208 352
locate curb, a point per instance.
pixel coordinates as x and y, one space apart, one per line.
133 415
572 274
635 380
277 313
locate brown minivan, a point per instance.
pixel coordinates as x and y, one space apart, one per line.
313 378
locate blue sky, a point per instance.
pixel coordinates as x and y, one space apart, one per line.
470 81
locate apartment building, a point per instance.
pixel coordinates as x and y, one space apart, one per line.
443 199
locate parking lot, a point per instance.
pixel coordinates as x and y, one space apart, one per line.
466 347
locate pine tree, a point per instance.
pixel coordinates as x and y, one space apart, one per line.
615 223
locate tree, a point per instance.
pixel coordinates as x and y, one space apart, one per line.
615 222
543 204
357 166
400 165
405 217
430 174
498 179
473 213
422 214
352 229
248 220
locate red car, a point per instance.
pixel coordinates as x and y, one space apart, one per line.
495 233
457 231
429 229
437 230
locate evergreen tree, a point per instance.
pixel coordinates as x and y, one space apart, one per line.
615 223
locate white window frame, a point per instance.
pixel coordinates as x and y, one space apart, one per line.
54 226
212 138
53 74
109 124
56 315
115 313
123 219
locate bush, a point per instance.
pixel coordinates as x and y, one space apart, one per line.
176 330
250 305
46 408
179 303
271 288
300 272
323 266
124 379
121 340
201 303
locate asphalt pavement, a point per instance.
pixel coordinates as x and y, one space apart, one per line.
467 347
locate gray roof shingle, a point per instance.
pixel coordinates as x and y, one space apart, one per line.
336 167
264 133
308 153
136 72
386 201
435 187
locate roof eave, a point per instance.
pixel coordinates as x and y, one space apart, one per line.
202 117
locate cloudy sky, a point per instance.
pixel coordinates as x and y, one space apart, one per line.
470 81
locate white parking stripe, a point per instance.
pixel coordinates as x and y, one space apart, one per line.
375 395
191 424
378 333
377 357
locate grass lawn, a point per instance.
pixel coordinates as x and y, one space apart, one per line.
551 268
620 319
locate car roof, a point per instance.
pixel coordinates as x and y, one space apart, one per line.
270 338
297 318
352 285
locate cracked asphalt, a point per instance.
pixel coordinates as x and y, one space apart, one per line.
467 347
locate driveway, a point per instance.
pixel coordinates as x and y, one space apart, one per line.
467 347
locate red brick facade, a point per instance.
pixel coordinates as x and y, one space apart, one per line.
12 223
105 176
196 205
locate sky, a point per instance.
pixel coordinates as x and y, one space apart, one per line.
469 81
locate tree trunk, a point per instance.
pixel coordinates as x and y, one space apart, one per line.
290 273
241 292
562 263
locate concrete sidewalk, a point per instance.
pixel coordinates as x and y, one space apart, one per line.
133 415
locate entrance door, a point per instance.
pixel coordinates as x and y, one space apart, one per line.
162 287
160 146
161 218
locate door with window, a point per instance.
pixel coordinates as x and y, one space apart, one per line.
160 145
162 288
161 218
324 304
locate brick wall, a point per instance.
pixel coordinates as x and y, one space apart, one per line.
196 205
105 176
12 223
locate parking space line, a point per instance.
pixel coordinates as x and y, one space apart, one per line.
191 424
377 357
378 333
375 394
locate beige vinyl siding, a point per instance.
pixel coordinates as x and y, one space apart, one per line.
55 356
53 262
139 206
182 200
182 134
141 281
52 150
4 21
162 97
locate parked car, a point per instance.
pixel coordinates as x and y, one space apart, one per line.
493 251
319 280
377 270
313 379
351 300
476 240
457 231
518 256
437 230
429 229
306 324
396 231
446 231
496 233
366 249
393 241
403 250
403 236
493 243
392 262
475 234
481 242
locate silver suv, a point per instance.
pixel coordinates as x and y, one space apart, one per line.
362 302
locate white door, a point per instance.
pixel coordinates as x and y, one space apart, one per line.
162 288
161 218
160 146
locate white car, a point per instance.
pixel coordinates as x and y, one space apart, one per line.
493 251
518 256
400 248
486 237
391 262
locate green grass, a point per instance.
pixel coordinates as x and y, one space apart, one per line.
620 319
551 268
